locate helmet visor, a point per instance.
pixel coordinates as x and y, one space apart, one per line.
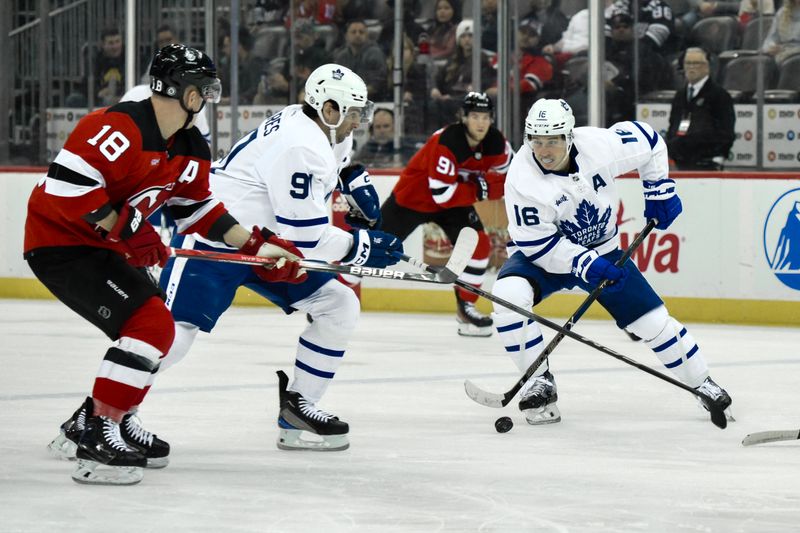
362 114
211 91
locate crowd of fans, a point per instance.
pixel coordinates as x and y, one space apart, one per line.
644 43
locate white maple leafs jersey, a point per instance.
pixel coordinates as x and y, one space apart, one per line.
281 176
562 221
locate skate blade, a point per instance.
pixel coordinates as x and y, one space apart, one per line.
157 462
87 473
296 439
549 414
62 448
471 330
729 415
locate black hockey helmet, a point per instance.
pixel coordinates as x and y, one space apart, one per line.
176 67
479 102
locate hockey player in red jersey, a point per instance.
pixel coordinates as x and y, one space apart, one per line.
88 240
459 165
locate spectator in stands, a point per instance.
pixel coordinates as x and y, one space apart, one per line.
700 9
411 11
272 12
310 53
442 37
454 79
548 16
109 69
748 10
415 91
361 55
379 150
574 40
620 77
165 35
250 67
489 25
783 39
655 21
535 70
318 11
701 121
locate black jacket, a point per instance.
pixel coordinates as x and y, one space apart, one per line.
712 120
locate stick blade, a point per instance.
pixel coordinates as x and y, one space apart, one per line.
463 249
482 397
762 437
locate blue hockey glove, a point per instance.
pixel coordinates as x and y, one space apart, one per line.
373 249
601 269
365 206
661 202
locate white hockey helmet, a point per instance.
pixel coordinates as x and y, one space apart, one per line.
341 85
549 117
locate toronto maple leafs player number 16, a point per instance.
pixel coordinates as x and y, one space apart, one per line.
561 201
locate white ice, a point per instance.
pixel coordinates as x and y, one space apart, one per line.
632 454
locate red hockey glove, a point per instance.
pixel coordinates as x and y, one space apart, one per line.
139 241
264 243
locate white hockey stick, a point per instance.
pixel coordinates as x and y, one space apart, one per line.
462 251
762 437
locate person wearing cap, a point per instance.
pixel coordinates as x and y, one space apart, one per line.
459 165
454 79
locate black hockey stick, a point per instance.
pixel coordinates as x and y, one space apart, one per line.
495 400
490 399
762 437
462 252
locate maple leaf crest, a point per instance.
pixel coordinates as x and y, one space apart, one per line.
588 225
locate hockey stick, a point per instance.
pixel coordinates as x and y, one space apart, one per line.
495 400
762 437
490 399
462 251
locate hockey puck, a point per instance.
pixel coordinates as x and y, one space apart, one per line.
503 424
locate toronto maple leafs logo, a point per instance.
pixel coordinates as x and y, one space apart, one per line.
337 74
588 227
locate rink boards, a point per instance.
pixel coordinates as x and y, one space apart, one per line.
732 256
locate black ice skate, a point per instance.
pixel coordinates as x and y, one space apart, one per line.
471 322
718 396
154 449
101 444
538 400
298 415
65 444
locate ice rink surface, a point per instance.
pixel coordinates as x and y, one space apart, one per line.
632 454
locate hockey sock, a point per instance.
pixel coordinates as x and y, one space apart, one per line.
475 272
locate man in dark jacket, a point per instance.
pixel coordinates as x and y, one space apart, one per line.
702 118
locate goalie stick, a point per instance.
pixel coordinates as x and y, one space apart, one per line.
462 251
496 400
762 437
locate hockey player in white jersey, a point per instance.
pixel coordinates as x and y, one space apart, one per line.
280 177
561 201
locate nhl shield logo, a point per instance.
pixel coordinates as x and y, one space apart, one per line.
782 239
337 74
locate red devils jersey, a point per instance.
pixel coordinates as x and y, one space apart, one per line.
116 155
437 177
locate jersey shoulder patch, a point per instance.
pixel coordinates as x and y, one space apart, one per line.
454 138
144 117
494 143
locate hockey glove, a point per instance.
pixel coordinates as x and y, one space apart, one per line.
264 243
139 241
601 269
373 249
478 179
365 206
661 202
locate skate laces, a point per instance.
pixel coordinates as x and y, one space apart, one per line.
137 432
538 387
113 436
311 410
